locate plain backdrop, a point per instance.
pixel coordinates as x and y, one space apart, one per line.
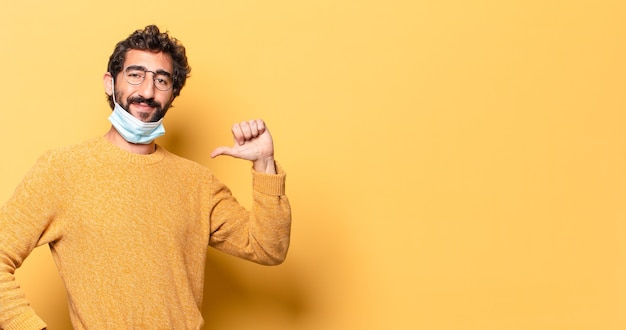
451 164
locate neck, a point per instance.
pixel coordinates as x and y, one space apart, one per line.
116 139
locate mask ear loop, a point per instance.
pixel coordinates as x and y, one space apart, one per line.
113 89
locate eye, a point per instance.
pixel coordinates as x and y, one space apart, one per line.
135 74
162 80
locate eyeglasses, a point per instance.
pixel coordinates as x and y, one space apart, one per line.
135 75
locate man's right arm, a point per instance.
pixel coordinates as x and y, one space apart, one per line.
24 218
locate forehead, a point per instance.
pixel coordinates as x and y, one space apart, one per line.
152 61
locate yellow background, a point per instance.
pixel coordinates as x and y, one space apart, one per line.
451 164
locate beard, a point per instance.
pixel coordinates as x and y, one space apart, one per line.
160 110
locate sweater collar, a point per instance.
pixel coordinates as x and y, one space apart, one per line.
111 152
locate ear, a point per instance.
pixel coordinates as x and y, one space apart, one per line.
108 83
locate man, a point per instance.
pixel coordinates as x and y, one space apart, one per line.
127 222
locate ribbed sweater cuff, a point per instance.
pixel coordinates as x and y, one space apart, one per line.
269 184
27 321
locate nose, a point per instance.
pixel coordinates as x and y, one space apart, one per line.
146 88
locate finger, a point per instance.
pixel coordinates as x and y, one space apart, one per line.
254 128
246 130
222 151
260 125
238 135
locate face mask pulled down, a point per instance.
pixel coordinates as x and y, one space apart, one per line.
132 129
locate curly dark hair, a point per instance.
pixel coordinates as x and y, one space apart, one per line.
152 39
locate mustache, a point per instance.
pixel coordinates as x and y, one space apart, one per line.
141 99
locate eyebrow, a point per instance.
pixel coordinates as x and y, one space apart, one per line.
143 68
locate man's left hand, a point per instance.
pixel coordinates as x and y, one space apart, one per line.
253 142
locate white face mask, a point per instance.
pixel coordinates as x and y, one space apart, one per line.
132 129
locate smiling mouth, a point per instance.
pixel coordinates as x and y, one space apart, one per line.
144 105
143 102
144 111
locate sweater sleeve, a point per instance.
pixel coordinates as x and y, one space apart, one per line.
24 223
260 235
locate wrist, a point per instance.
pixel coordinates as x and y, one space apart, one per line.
265 165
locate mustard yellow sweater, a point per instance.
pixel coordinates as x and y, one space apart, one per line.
129 234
